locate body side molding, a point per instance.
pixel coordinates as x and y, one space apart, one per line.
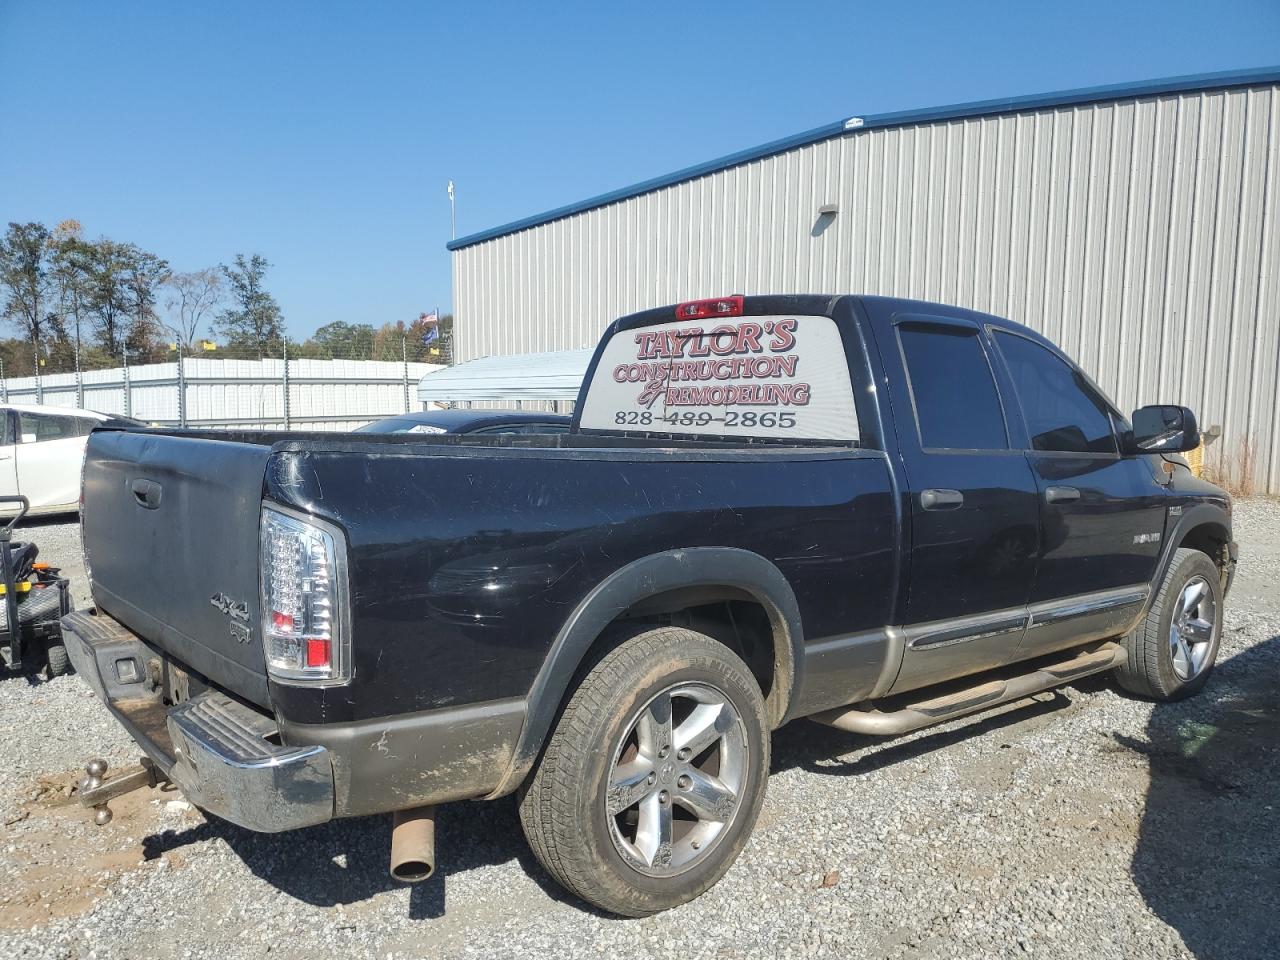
946 632
1051 611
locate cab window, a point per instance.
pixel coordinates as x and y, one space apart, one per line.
952 387
1064 413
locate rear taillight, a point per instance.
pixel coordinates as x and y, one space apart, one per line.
304 590
719 307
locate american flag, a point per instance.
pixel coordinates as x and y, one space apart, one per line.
431 321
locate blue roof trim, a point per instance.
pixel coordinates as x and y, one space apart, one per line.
980 108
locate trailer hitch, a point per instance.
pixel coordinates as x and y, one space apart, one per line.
97 792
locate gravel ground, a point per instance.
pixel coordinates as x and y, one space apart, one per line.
1087 824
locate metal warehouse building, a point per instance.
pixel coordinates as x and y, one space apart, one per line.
1135 225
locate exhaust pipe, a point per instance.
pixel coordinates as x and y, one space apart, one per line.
413 844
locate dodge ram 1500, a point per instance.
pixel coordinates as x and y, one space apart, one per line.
878 513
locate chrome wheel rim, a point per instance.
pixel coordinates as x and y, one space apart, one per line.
1192 629
676 779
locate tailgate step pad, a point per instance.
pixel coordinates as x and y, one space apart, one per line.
237 732
226 763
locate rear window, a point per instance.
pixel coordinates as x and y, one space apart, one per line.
774 376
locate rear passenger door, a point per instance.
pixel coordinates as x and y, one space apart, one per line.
973 502
1102 515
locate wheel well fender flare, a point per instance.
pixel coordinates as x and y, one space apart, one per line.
1194 517
643 578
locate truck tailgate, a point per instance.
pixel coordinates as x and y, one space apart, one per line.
171 540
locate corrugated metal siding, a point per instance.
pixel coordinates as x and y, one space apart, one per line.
1139 234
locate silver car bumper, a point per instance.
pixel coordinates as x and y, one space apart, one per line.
224 763
222 754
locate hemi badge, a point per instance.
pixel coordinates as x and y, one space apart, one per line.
1175 511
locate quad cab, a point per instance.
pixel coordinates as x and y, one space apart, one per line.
874 512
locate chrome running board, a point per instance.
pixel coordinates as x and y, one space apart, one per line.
868 719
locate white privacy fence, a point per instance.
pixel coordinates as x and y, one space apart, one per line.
251 394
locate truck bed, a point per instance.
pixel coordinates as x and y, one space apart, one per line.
467 552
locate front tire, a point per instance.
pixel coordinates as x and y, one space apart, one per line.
654 776
1172 651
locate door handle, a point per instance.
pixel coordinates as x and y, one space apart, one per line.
941 499
146 493
1061 494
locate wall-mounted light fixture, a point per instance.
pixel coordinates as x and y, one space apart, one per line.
825 218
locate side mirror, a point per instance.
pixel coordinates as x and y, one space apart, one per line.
1163 429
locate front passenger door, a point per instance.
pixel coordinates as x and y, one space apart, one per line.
1102 515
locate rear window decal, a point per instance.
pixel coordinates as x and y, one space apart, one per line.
777 376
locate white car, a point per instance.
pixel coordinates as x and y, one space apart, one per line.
41 453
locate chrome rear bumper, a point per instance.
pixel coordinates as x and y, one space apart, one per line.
223 755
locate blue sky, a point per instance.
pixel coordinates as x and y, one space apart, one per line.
322 134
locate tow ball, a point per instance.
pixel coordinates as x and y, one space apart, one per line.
97 792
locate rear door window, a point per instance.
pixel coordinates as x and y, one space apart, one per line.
767 376
1063 412
954 392
39 427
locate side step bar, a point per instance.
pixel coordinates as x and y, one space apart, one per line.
867 719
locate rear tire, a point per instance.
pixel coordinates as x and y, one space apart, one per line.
1172 651
635 813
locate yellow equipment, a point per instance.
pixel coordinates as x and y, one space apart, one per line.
1195 459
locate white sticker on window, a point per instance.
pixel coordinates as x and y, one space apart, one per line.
777 376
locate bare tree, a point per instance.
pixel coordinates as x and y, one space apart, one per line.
192 297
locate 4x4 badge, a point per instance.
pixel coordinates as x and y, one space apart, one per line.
231 608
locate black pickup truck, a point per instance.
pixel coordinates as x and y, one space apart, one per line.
878 513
